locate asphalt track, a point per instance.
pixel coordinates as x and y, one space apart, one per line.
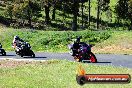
103 59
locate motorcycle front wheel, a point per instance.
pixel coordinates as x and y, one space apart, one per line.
92 57
32 54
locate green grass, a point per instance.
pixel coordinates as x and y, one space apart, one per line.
117 42
53 74
50 41
120 42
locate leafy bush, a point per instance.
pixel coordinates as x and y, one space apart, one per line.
52 40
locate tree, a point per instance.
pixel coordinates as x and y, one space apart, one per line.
46 5
103 5
82 7
70 7
123 10
8 11
98 13
130 13
89 12
54 9
75 14
26 9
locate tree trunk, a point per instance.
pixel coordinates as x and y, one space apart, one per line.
47 18
11 18
98 14
75 13
74 23
89 13
82 14
130 28
131 24
29 17
53 14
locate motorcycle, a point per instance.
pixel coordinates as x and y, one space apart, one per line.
83 54
2 51
24 50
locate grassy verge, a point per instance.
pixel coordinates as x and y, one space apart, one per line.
53 74
117 42
50 41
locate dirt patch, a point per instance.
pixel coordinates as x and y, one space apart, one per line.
115 49
9 63
12 63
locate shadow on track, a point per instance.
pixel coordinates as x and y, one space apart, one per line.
40 57
34 57
8 55
103 62
97 62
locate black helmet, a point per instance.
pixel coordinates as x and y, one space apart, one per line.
77 40
16 37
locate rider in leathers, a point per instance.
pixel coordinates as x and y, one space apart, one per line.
17 42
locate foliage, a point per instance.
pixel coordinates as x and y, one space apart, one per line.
24 10
104 5
124 10
64 15
9 11
52 41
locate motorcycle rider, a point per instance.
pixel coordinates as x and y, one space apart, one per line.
76 46
27 45
17 42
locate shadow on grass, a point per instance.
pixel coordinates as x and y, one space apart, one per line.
5 21
105 23
59 26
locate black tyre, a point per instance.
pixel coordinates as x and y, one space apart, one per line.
4 54
80 60
21 54
32 54
92 58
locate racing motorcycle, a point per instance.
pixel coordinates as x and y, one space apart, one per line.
2 51
24 50
83 54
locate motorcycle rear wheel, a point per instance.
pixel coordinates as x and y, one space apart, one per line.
21 55
4 54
